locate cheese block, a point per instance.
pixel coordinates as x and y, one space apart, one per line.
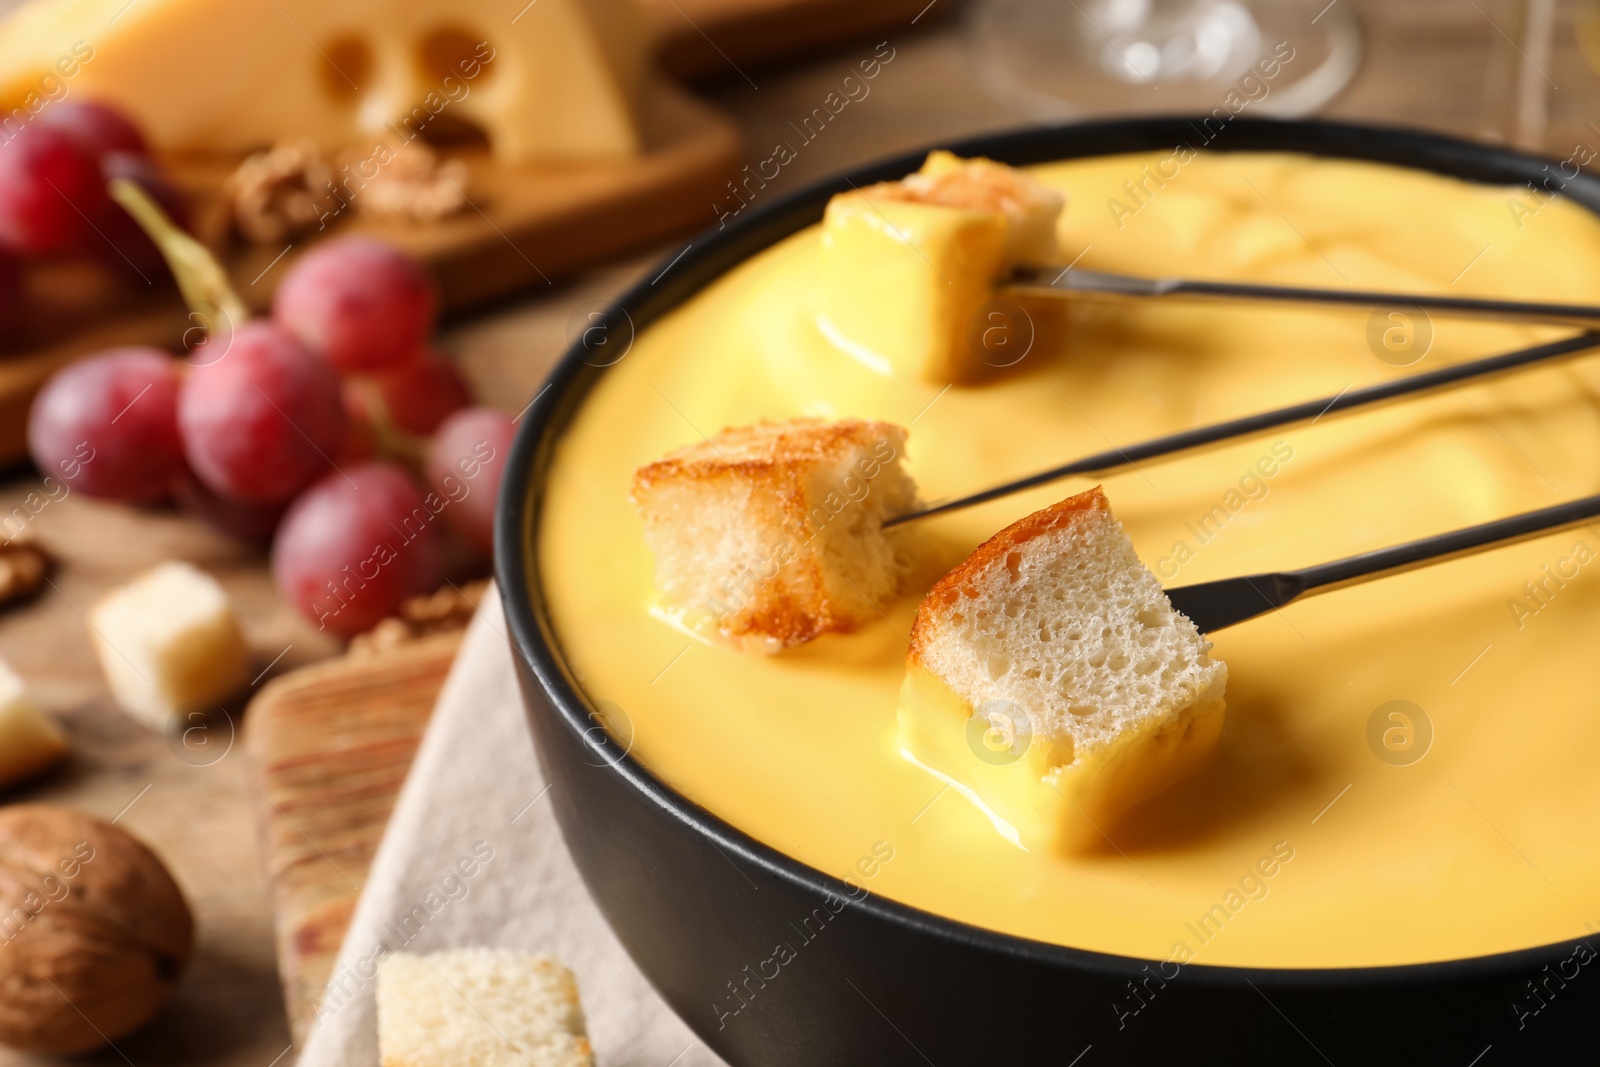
552 79
169 645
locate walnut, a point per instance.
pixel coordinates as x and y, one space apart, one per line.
93 931
414 185
291 188
280 193
450 608
22 570
387 636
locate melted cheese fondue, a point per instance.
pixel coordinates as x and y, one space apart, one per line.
1407 771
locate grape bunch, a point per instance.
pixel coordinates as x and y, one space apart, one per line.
331 427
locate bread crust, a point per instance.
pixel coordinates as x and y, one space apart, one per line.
775 462
762 450
948 591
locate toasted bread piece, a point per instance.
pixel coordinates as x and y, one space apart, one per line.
30 742
1029 207
479 1007
772 534
908 267
1082 675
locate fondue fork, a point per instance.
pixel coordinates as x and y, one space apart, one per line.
1100 285
1214 605
1112 459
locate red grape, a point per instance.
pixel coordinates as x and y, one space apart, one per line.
49 190
248 522
355 545
98 128
122 242
465 463
362 305
108 425
420 393
262 419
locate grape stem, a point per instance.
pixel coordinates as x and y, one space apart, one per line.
201 279
392 442
210 295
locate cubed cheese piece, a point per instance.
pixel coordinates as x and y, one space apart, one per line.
1050 680
907 265
169 644
29 741
557 79
773 535
479 1007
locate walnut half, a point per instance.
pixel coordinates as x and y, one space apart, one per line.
281 193
93 931
450 608
293 189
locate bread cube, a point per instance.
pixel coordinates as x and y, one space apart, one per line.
1030 208
169 644
1050 677
30 743
907 265
479 1007
772 535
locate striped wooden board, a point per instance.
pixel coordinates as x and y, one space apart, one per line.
330 746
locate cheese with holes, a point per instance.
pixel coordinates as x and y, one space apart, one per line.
29 741
552 79
169 645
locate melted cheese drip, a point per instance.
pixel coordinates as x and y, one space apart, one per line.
1484 844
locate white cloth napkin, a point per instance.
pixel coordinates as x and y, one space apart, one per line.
476 802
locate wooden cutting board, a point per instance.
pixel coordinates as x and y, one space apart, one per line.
525 228
330 746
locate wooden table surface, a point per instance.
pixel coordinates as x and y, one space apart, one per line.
1425 65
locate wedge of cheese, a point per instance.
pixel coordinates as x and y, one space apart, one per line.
552 79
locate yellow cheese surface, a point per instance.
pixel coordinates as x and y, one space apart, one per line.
553 79
1407 770
1038 793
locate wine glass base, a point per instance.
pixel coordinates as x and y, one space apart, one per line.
1062 59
